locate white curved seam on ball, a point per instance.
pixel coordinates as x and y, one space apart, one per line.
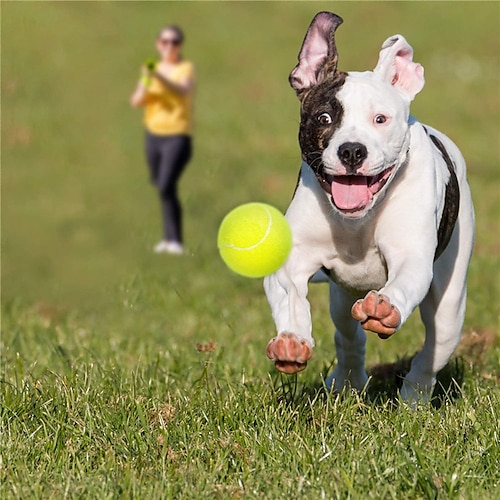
255 245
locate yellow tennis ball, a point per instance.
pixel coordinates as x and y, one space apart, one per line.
254 240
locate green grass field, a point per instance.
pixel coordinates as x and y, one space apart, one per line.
126 374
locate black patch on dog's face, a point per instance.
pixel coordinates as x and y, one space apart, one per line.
314 136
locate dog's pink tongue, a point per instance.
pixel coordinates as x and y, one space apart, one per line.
350 192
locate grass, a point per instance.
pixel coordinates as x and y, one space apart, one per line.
129 375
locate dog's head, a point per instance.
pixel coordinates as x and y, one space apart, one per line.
354 126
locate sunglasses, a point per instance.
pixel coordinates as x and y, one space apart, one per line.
169 41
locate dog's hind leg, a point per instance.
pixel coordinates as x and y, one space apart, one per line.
350 340
442 312
443 320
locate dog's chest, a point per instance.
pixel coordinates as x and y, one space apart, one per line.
356 263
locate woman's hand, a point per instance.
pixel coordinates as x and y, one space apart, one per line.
138 98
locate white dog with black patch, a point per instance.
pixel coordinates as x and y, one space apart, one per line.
382 208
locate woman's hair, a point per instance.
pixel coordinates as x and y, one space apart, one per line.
173 27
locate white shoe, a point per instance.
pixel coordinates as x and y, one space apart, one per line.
161 247
175 248
172 247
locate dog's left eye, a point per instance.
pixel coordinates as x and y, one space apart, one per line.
324 119
380 119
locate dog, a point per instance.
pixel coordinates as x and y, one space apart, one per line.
382 210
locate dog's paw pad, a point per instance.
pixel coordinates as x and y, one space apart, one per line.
289 367
289 353
376 313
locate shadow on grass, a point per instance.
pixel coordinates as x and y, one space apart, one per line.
386 378
385 381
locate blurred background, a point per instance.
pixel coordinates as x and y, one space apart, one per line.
79 217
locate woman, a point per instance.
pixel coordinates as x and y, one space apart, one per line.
165 90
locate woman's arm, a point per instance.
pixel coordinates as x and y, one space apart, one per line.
138 98
140 94
182 87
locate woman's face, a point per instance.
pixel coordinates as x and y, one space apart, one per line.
169 45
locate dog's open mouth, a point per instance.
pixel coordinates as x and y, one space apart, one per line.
353 193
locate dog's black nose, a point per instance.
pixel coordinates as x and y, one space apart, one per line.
352 155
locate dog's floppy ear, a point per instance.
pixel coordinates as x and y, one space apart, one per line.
318 55
395 66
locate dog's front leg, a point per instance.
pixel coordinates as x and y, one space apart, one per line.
409 278
286 293
377 313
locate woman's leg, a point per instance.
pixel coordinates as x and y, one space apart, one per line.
175 154
152 152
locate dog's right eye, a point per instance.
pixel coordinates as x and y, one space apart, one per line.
380 119
324 119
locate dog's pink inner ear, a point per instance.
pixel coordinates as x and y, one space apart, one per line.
395 66
318 55
409 76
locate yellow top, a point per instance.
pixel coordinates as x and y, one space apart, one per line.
167 112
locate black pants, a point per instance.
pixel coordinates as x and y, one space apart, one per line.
167 156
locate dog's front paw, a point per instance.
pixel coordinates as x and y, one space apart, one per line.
376 313
290 354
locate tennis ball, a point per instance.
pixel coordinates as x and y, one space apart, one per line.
254 240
